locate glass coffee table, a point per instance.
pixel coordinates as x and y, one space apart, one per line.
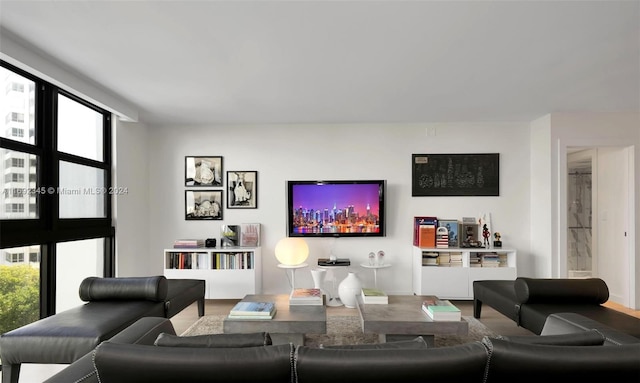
403 318
289 324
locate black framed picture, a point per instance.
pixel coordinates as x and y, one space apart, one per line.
203 204
455 174
242 189
203 171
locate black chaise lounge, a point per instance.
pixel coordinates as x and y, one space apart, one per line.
529 301
112 305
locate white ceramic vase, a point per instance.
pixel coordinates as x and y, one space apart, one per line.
348 289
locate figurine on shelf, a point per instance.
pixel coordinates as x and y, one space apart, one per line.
485 235
496 241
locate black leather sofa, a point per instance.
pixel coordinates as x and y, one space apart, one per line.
529 301
112 305
578 355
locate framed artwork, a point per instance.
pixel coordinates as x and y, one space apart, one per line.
203 204
455 174
203 171
452 231
242 189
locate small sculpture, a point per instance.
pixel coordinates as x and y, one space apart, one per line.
497 242
485 235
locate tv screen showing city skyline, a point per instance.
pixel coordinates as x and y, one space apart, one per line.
335 208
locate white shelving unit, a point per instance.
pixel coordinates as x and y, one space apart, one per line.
230 272
456 282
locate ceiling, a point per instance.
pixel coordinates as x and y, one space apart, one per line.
273 62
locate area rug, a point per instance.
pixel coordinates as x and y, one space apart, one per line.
345 329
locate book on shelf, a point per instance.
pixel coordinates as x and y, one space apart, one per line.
452 229
374 296
424 231
188 243
441 310
250 234
257 310
306 296
229 235
442 237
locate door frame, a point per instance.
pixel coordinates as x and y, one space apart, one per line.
562 208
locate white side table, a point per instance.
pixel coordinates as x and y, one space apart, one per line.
293 269
375 271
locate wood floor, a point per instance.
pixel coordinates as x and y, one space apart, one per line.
492 319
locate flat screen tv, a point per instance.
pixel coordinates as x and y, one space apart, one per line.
336 208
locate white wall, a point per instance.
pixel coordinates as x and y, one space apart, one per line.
540 204
131 209
286 152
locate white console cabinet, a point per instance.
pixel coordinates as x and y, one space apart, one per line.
455 281
229 273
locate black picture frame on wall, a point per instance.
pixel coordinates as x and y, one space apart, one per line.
203 204
476 174
242 189
203 171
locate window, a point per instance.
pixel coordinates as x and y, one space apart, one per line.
55 158
14 177
14 117
17 132
15 162
14 208
14 257
14 87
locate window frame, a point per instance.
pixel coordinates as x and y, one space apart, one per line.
48 229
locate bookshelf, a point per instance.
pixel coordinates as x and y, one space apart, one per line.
229 273
432 275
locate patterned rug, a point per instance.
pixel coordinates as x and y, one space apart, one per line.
345 330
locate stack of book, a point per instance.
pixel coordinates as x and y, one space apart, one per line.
455 259
430 258
424 231
305 297
188 243
372 296
441 310
253 310
490 260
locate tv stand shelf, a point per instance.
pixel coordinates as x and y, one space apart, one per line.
456 282
229 272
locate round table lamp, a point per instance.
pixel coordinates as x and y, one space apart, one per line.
292 251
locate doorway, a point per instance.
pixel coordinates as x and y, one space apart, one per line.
598 218
580 256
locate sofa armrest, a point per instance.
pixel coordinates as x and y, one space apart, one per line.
133 288
553 290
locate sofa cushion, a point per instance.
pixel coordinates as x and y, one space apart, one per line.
549 291
583 338
512 361
413 344
462 363
127 363
215 340
134 288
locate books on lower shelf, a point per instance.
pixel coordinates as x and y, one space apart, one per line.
374 296
441 310
253 310
304 296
